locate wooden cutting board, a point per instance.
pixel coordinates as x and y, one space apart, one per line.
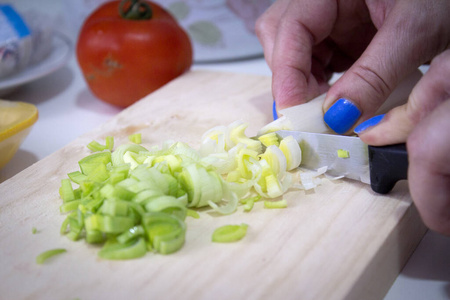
341 241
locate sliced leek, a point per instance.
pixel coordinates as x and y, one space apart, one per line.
135 138
343 153
44 256
275 204
229 233
135 199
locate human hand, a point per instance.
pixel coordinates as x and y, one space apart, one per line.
379 42
424 122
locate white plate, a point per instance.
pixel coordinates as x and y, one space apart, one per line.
62 48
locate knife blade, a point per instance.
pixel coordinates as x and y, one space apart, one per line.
379 166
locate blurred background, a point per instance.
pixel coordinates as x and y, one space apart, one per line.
219 29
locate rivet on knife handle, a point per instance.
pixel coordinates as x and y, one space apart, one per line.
388 164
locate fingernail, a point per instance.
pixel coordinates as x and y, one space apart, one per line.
274 110
342 116
368 123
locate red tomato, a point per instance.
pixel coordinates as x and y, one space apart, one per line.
124 60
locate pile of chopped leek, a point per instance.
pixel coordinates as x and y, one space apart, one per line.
133 199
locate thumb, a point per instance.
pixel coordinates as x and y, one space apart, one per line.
394 127
396 50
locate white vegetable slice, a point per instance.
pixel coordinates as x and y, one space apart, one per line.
237 135
309 179
276 159
292 151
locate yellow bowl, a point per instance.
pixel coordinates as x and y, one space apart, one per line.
16 120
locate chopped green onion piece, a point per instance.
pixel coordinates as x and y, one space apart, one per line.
252 199
166 233
135 138
292 151
66 191
269 139
34 230
94 236
109 224
109 140
343 153
41 258
229 233
118 155
69 206
89 164
99 173
95 146
249 202
77 177
133 232
193 214
133 249
273 186
275 204
237 135
248 206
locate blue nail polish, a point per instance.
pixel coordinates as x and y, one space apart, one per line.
368 123
274 110
342 116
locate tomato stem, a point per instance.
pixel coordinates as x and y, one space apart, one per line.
135 10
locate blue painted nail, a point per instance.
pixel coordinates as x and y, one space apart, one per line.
342 116
368 123
274 110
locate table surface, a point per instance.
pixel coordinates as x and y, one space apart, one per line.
67 110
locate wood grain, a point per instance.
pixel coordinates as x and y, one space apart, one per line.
341 241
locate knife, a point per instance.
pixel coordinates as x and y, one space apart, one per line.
379 166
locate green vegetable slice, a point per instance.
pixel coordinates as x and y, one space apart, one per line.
249 205
229 233
343 153
66 191
275 204
90 163
116 251
166 233
109 224
269 139
77 177
69 206
95 146
135 138
134 232
109 140
41 258
193 214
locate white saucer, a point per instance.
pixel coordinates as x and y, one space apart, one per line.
62 48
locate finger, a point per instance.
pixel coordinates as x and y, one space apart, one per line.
303 25
396 50
429 168
431 90
266 27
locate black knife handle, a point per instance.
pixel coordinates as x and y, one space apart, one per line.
388 164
